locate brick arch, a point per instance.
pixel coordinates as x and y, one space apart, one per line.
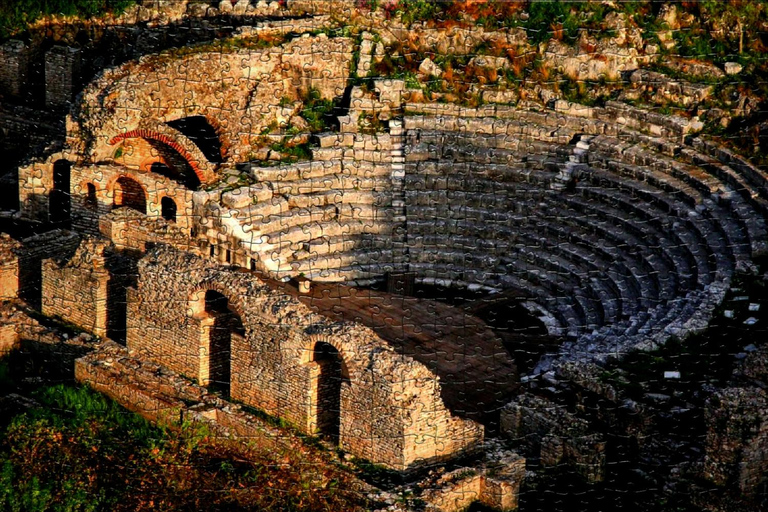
308 348
203 174
198 295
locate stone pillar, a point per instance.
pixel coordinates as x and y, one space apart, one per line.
14 67
62 75
9 268
204 323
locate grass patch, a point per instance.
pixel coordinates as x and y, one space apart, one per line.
17 15
81 451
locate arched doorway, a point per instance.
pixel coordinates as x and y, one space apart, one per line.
168 209
128 192
60 207
225 323
333 374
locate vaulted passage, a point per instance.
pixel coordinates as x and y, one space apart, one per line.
199 131
330 380
128 192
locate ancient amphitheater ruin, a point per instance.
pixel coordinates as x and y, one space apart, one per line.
289 286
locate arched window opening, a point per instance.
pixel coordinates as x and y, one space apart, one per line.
60 207
332 375
228 256
200 131
226 322
90 196
168 209
129 193
212 250
253 264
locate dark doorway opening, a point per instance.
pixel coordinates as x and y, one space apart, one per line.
60 208
128 192
168 209
90 198
225 323
332 375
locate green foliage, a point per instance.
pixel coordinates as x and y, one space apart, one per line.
316 111
412 11
17 15
544 16
292 153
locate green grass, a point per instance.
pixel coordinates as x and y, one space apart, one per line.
17 15
81 451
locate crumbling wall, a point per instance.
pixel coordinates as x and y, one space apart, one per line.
62 76
556 436
76 290
14 55
737 439
132 231
242 89
56 243
383 415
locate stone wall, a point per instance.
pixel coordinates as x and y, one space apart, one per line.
737 440
76 290
9 268
62 76
548 431
383 415
243 89
14 56
52 244
132 231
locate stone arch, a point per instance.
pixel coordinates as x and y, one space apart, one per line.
202 133
219 323
126 191
170 143
196 307
307 351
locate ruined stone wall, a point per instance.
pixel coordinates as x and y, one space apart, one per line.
14 55
9 268
62 76
383 417
244 89
737 439
130 230
546 430
76 290
104 178
52 244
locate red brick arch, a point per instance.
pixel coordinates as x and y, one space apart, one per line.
165 139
